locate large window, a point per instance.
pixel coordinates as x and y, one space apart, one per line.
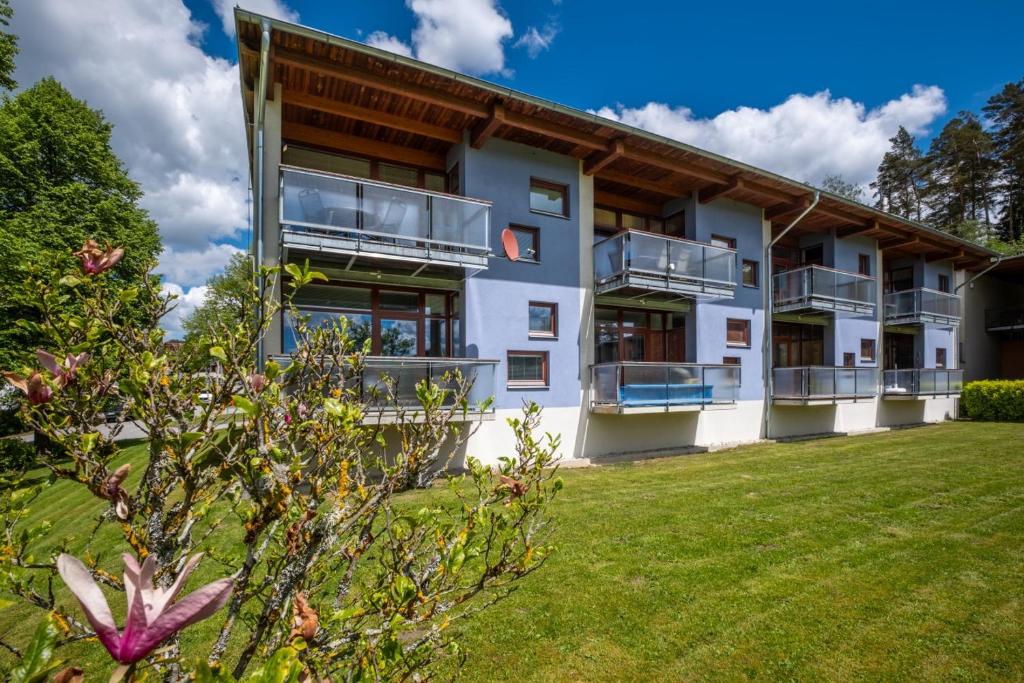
943 283
527 369
630 335
797 344
543 319
737 332
361 167
608 220
398 322
548 197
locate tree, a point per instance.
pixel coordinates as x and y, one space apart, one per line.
1005 111
837 185
961 171
60 184
224 305
898 186
8 48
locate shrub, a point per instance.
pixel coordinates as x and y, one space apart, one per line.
994 400
16 455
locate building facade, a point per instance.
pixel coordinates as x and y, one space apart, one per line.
649 295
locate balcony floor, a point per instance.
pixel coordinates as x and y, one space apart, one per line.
819 400
612 409
639 285
923 319
824 305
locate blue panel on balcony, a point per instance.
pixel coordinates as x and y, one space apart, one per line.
639 395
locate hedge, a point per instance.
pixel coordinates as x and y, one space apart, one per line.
16 455
995 400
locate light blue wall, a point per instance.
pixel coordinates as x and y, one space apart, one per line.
933 270
848 330
496 300
743 223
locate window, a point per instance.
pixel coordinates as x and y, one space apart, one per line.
611 220
529 242
631 335
724 242
543 319
864 264
527 369
737 332
548 197
750 274
849 360
867 350
940 358
814 255
361 167
675 224
731 360
943 283
797 344
454 184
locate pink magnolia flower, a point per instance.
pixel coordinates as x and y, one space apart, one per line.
95 260
258 382
35 387
64 373
153 616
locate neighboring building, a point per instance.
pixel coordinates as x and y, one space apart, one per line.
636 313
993 326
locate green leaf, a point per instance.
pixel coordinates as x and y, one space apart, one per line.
218 353
89 441
244 404
333 407
35 664
70 281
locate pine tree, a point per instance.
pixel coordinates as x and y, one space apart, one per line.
8 48
899 186
961 169
1005 110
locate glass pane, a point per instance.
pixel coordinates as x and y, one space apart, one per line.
606 339
634 345
398 338
632 222
359 330
433 182
542 319
634 319
547 199
608 315
435 304
604 217
399 175
400 301
527 241
674 225
334 297
435 338
320 161
656 225
522 368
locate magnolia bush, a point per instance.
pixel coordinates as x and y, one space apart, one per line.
282 483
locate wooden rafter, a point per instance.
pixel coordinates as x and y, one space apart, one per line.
710 194
870 226
899 242
662 185
942 256
780 210
600 160
485 129
311 135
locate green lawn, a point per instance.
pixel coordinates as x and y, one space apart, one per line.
895 555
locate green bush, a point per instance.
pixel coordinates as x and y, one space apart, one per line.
996 400
16 455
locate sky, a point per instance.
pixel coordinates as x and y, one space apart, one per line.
803 89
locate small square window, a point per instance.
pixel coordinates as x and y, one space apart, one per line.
731 360
724 242
527 369
940 358
849 360
543 319
737 332
454 186
943 283
529 242
864 264
867 349
548 197
750 274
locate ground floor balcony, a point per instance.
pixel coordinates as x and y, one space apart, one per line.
638 387
918 383
370 223
1004 321
823 290
922 306
635 264
821 385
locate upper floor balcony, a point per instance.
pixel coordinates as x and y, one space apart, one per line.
331 214
921 306
914 383
811 385
817 288
1004 321
635 263
639 387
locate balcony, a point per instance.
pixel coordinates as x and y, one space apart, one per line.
817 288
916 383
921 306
404 229
1004 321
820 385
634 387
635 263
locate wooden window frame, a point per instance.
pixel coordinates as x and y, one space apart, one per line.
873 345
620 331
756 269
730 241
941 350
375 162
553 333
551 185
746 336
535 231
849 360
944 283
864 264
732 360
452 180
543 383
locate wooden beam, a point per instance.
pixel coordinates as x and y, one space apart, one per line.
632 205
710 194
843 217
858 229
351 111
600 160
342 142
666 187
485 129
533 124
943 255
780 210
904 241
677 166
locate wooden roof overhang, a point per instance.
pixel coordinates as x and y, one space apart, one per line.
341 94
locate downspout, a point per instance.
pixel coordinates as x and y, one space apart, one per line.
766 347
995 262
259 116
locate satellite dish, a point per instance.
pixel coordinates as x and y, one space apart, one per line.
511 245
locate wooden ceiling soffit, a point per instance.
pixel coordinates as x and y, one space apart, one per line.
351 111
483 131
780 210
942 256
710 194
663 186
599 160
899 242
677 166
619 202
311 135
871 226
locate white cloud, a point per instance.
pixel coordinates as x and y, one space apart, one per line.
188 268
463 35
806 137
537 40
186 301
269 8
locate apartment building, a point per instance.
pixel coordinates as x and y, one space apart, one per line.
650 295
993 324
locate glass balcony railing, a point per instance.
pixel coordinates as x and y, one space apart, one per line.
1004 320
819 383
650 262
922 382
388 382
366 216
921 306
823 289
642 387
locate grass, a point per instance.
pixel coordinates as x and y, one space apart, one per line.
890 556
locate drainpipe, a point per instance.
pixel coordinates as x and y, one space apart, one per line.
259 116
766 347
995 262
